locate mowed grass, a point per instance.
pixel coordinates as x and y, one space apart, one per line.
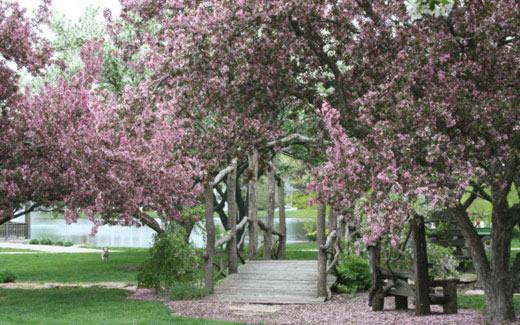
86 267
14 250
479 302
307 213
302 251
84 306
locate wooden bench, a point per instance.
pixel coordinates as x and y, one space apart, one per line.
397 285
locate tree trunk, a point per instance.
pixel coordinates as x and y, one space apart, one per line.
376 296
268 235
210 238
422 281
232 219
281 216
322 254
252 208
499 291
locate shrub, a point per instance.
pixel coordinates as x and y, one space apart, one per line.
353 273
6 276
516 232
301 200
311 232
443 261
68 243
34 242
46 241
59 243
187 291
172 260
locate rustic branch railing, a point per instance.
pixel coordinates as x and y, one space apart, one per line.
328 247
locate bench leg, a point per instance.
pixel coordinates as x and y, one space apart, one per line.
451 306
401 303
378 301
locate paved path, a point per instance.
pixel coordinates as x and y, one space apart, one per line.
271 282
49 248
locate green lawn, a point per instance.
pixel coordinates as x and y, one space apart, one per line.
84 306
478 302
302 251
121 266
307 213
9 250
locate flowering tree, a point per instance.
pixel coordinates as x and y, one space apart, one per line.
425 108
444 123
21 48
75 144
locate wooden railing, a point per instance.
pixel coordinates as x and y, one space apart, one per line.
329 252
14 230
226 239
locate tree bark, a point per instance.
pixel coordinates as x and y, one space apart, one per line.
495 275
499 291
210 238
252 208
376 297
332 219
281 216
322 254
232 219
422 281
268 235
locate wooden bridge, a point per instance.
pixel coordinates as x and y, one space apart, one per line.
272 282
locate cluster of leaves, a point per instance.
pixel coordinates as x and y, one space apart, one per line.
442 261
173 260
46 241
353 273
7 276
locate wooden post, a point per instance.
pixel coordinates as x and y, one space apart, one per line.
268 235
210 238
281 216
252 208
28 224
450 290
376 297
422 281
332 219
232 218
322 254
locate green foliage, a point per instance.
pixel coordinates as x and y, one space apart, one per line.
431 4
59 243
187 291
353 273
479 303
173 260
46 241
442 260
68 243
300 200
7 276
34 242
311 232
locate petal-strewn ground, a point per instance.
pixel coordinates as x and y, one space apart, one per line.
342 309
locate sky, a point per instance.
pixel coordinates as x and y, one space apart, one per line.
73 9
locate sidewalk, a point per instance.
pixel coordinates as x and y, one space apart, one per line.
48 248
